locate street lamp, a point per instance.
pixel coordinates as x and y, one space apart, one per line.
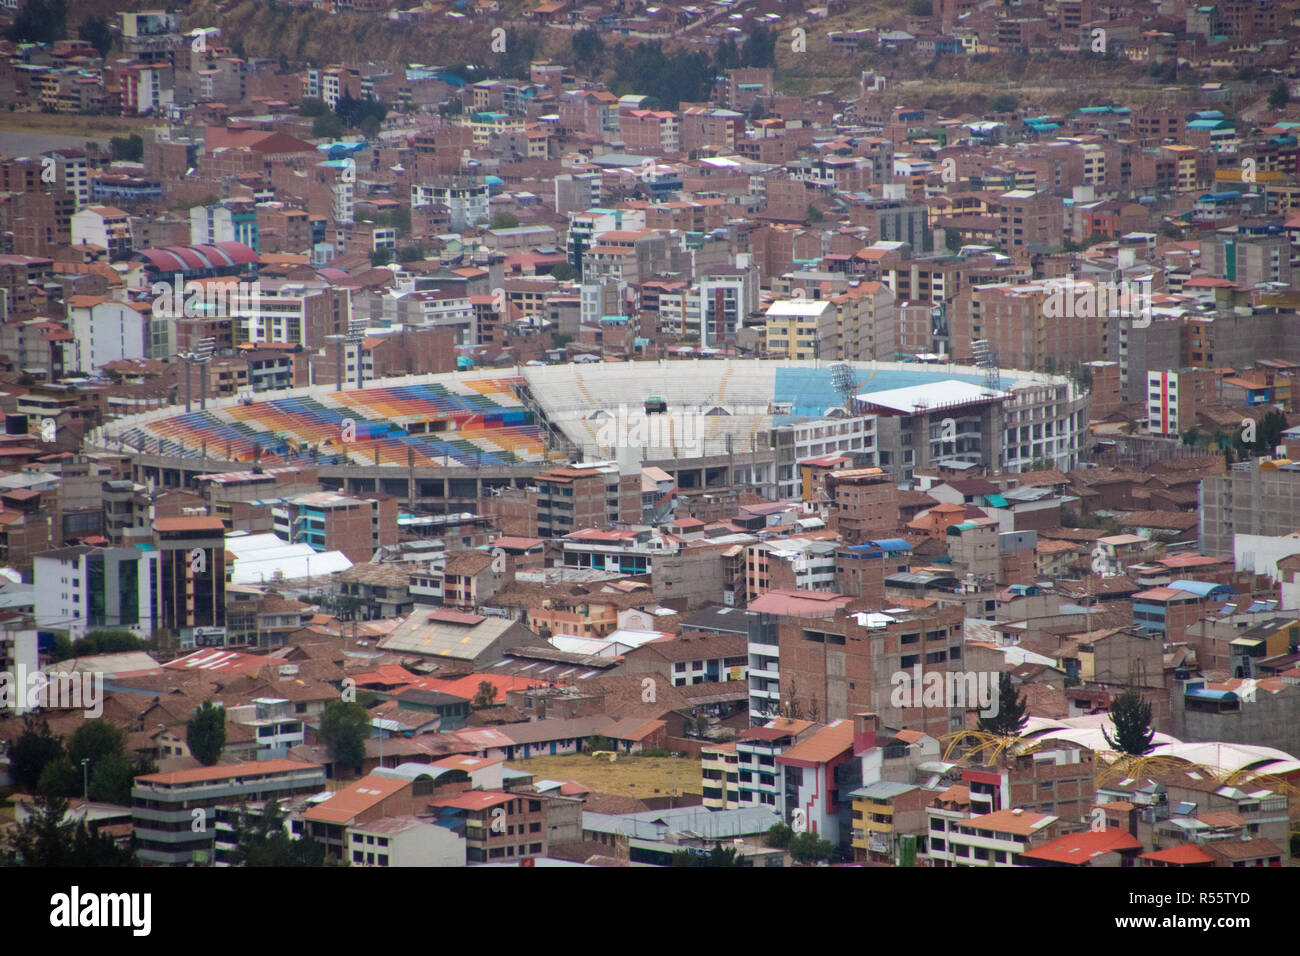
85 779
201 356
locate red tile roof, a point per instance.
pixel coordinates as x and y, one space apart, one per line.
1080 848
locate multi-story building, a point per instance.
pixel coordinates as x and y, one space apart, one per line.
1029 221
467 200
1174 398
764 624
851 663
191 580
72 172
165 807
296 312
82 588
726 296
332 522
228 222
800 329
106 227
585 495
992 839
720 772
1253 497
759 780
497 826
109 331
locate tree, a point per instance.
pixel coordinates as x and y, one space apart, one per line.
381 257
111 781
94 741
129 148
40 21
487 694
262 840
327 126
505 220
205 734
1004 103
564 272
760 47
1279 97
718 856
779 836
34 749
810 848
60 779
813 214
94 30
588 48
310 106
1010 718
1132 718
46 839
344 727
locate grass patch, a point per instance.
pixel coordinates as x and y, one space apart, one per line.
628 776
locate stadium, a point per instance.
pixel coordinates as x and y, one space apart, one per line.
444 441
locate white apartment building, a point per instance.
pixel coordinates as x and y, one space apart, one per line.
82 588
469 202
105 226
108 331
991 840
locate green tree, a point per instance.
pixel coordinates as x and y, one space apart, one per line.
760 47
32 751
564 272
45 839
94 30
261 840
61 779
1279 97
205 734
1010 717
1268 434
779 836
128 148
1132 718
809 848
344 727
505 220
94 741
487 694
327 126
718 856
381 257
813 214
310 106
1004 103
40 21
588 49
111 781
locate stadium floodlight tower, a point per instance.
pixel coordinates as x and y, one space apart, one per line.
987 359
201 356
355 335
845 381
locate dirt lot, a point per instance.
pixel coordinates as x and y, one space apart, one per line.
628 776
